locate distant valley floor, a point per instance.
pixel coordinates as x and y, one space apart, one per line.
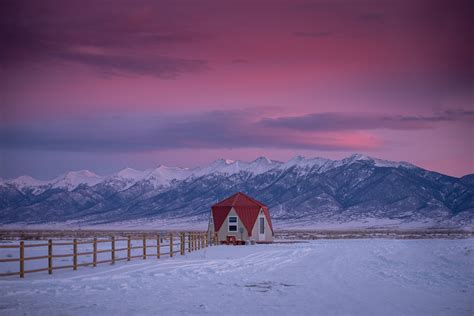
281 234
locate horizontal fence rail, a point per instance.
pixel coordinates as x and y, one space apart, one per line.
164 245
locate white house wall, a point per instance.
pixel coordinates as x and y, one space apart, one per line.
223 232
268 231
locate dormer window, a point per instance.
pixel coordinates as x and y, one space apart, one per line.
233 222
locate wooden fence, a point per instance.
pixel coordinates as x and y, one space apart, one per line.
188 241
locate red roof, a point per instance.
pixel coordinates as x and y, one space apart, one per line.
247 209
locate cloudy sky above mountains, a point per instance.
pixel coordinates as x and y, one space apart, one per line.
102 85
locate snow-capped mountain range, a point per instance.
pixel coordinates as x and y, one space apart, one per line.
300 192
160 177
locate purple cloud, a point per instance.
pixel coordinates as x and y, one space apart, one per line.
111 38
356 121
209 130
158 66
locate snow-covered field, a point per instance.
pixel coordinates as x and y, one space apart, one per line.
322 277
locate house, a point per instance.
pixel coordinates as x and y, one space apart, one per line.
240 218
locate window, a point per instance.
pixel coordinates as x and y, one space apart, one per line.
262 225
233 223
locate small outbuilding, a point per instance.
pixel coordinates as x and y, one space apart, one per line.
240 218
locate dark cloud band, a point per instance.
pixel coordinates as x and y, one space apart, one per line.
356 121
210 130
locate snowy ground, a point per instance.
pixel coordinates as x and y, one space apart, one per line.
323 277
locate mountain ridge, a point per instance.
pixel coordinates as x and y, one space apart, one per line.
70 178
299 192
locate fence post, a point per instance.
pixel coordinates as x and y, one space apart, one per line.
22 259
189 242
94 252
158 242
184 243
74 254
144 247
50 256
171 244
113 250
181 243
129 247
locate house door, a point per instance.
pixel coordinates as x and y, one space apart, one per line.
261 228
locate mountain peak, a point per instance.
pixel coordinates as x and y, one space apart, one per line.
130 173
84 173
164 175
376 161
222 161
25 180
298 158
263 159
358 156
303 162
73 179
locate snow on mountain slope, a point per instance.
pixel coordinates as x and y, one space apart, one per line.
377 162
163 175
302 191
23 183
73 179
226 166
125 178
219 165
305 163
132 174
27 181
322 164
262 165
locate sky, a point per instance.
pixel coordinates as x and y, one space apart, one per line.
103 85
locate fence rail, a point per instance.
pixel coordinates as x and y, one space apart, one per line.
187 242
